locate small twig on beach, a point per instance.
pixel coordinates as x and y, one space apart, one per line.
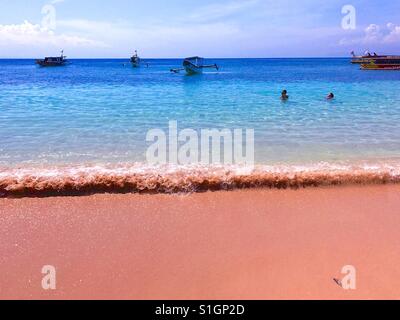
338 282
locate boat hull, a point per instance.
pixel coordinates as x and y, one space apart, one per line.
379 67
382 63
43 63
191 70
360 60
135 62
368 59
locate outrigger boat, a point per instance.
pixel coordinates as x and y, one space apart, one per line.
53 61
135 60
382 63
195 65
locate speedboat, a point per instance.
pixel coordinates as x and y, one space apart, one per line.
53 61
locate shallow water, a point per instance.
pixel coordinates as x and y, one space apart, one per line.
100 110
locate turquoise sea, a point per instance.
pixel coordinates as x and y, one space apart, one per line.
97 112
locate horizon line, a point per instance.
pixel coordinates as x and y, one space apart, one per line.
180 58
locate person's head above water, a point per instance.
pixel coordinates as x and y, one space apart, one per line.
284 95
330 96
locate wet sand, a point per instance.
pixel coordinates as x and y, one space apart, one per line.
251 244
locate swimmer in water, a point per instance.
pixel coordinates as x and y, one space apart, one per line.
284 96
330 96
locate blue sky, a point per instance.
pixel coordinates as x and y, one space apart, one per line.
179 28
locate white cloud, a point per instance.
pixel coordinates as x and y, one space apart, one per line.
376 35
394 35
34 34
372 33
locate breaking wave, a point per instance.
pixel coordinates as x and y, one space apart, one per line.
139 178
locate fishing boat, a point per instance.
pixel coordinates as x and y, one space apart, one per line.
53 61
135 60
195 65
382 63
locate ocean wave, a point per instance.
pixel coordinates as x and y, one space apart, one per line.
139 178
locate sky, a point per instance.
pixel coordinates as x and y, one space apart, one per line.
214 29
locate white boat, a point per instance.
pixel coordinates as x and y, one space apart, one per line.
195 65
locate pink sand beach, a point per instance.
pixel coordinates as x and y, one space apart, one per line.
251 244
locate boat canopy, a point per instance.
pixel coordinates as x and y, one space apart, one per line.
195 58
197 61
